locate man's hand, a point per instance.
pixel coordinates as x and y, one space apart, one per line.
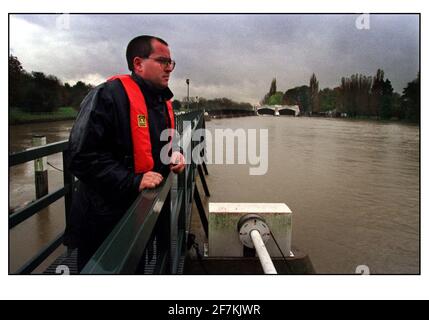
150 180
177 162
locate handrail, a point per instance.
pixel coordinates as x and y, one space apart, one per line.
123 248
151 236
37 152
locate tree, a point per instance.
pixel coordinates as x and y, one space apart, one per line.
17 82
78 93
397 110
354 95
273 90
363 95
314 95
273 87
377 93
37 92
386 100
222 104
42 93
410 100
66 95
329 99
276 99
298 96
176 105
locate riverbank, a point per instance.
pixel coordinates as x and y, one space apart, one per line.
357 119
377 120
17 116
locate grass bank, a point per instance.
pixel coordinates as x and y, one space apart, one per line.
17 116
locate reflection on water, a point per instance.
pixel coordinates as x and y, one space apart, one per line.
353 187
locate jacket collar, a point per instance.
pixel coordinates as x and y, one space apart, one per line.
148 87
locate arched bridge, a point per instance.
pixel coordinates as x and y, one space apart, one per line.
279 110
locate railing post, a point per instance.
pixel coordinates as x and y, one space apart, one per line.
163 240
40 169
69 188
203 151
182 221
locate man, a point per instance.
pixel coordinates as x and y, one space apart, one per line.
115 146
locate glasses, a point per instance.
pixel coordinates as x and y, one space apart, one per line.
165 62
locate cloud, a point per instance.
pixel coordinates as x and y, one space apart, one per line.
233 56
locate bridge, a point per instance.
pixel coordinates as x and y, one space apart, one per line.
279 110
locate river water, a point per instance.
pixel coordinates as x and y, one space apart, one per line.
30 236
353 188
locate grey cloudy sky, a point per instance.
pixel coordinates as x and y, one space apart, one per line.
234 56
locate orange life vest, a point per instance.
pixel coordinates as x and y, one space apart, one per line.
139 122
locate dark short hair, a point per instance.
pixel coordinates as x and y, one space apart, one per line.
140 46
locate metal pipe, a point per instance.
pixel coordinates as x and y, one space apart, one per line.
264 256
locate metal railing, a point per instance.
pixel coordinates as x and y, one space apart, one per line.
39 204
150 237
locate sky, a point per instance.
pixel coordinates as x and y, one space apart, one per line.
224 55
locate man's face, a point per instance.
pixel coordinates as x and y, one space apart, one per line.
152 69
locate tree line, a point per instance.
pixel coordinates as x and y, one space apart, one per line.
37 92
200 103
356 96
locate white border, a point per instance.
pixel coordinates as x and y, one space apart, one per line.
212 287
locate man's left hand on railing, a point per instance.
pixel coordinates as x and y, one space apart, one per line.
177 162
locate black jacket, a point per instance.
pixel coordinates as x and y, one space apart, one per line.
101 156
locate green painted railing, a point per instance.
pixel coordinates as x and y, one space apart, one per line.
151 237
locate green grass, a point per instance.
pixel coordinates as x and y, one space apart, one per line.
18 116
